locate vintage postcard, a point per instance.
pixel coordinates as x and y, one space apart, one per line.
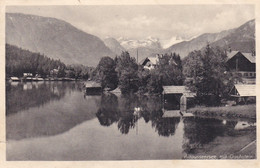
129 84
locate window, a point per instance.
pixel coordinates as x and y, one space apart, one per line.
245 74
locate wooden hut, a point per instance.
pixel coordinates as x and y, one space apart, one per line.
92 88
177 90
242 92
172 96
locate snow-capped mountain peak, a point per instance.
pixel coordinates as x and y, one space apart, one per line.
149 42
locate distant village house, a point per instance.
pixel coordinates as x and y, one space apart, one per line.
151 62
27 74
54 72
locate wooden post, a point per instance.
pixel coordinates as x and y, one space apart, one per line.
237 64
163 101
183 104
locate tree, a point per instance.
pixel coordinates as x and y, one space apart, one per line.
106 73
206 69
144 77
19 61
154 85
127 70
168 71
169 68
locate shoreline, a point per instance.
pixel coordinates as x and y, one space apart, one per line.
239 111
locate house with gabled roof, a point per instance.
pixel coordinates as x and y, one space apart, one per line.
151 62
242 64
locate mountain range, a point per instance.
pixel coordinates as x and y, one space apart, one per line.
54 38
241 38
58 39
114 45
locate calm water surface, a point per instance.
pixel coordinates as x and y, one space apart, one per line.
56 121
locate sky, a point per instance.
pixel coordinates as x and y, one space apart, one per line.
165 22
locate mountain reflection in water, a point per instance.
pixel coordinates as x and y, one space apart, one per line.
104 127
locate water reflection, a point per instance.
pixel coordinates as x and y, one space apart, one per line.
42 110
21 96
166 126
48 108
240 125
108 113
201 131
121 111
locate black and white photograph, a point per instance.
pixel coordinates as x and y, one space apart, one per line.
130 82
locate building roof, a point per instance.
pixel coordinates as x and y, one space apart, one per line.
178 90
117 90
245 90
250 57
172 61
90 84
231 54
247 55
153 60
174 89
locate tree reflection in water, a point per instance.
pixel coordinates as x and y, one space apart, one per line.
166 126
107 114
120 110
201 131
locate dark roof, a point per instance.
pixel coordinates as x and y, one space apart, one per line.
153 60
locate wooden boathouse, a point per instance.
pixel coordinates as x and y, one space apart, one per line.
243 92
92 88
177 95
178 90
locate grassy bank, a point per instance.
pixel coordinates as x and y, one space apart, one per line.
240 111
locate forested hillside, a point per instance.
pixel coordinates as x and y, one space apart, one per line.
19 61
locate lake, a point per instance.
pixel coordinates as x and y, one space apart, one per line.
57 121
